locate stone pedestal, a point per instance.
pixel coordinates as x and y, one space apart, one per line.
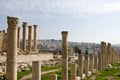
64 56
36 70
35 37
73 71
24 36
11 73
80 65
18 41
53 77
29 38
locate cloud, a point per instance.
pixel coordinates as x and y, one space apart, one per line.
72 8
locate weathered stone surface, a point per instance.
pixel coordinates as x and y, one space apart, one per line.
24 36
35 37
36 70
73 71
64 56
11 73
29 38
18 37
80 65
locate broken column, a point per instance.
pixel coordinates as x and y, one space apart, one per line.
53 77
35 37
11 73
64 56
18 39
24 36
80 65
36 70
29 38
86 63
92 63
73 71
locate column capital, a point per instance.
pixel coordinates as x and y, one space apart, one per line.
109 44
35 25
18 27
12 21
24 22
64 32
29 26
1 31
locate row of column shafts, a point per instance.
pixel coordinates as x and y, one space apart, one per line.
24 44
91 62
24 25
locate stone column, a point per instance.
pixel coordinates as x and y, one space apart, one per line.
11 73
64 56
109 53
53 77
1 40
112 57
29 38
73 71
100 60
18 41
24 36
36 70
104 55
86 64
35 37
3 31
96 62
92 63
80 65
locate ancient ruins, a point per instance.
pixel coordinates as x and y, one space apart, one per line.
88 63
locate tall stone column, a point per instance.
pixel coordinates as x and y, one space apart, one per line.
1 40
64 56
53 77
24 25
86 64
92 63
18 41
73 71
29 38
109 53
100 60
96 62
35 37
104 55
11 73
80 65
36 70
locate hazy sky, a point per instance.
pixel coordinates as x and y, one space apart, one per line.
85 20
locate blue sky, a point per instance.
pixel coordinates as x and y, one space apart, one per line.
85 20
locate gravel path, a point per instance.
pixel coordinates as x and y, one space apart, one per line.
30 75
